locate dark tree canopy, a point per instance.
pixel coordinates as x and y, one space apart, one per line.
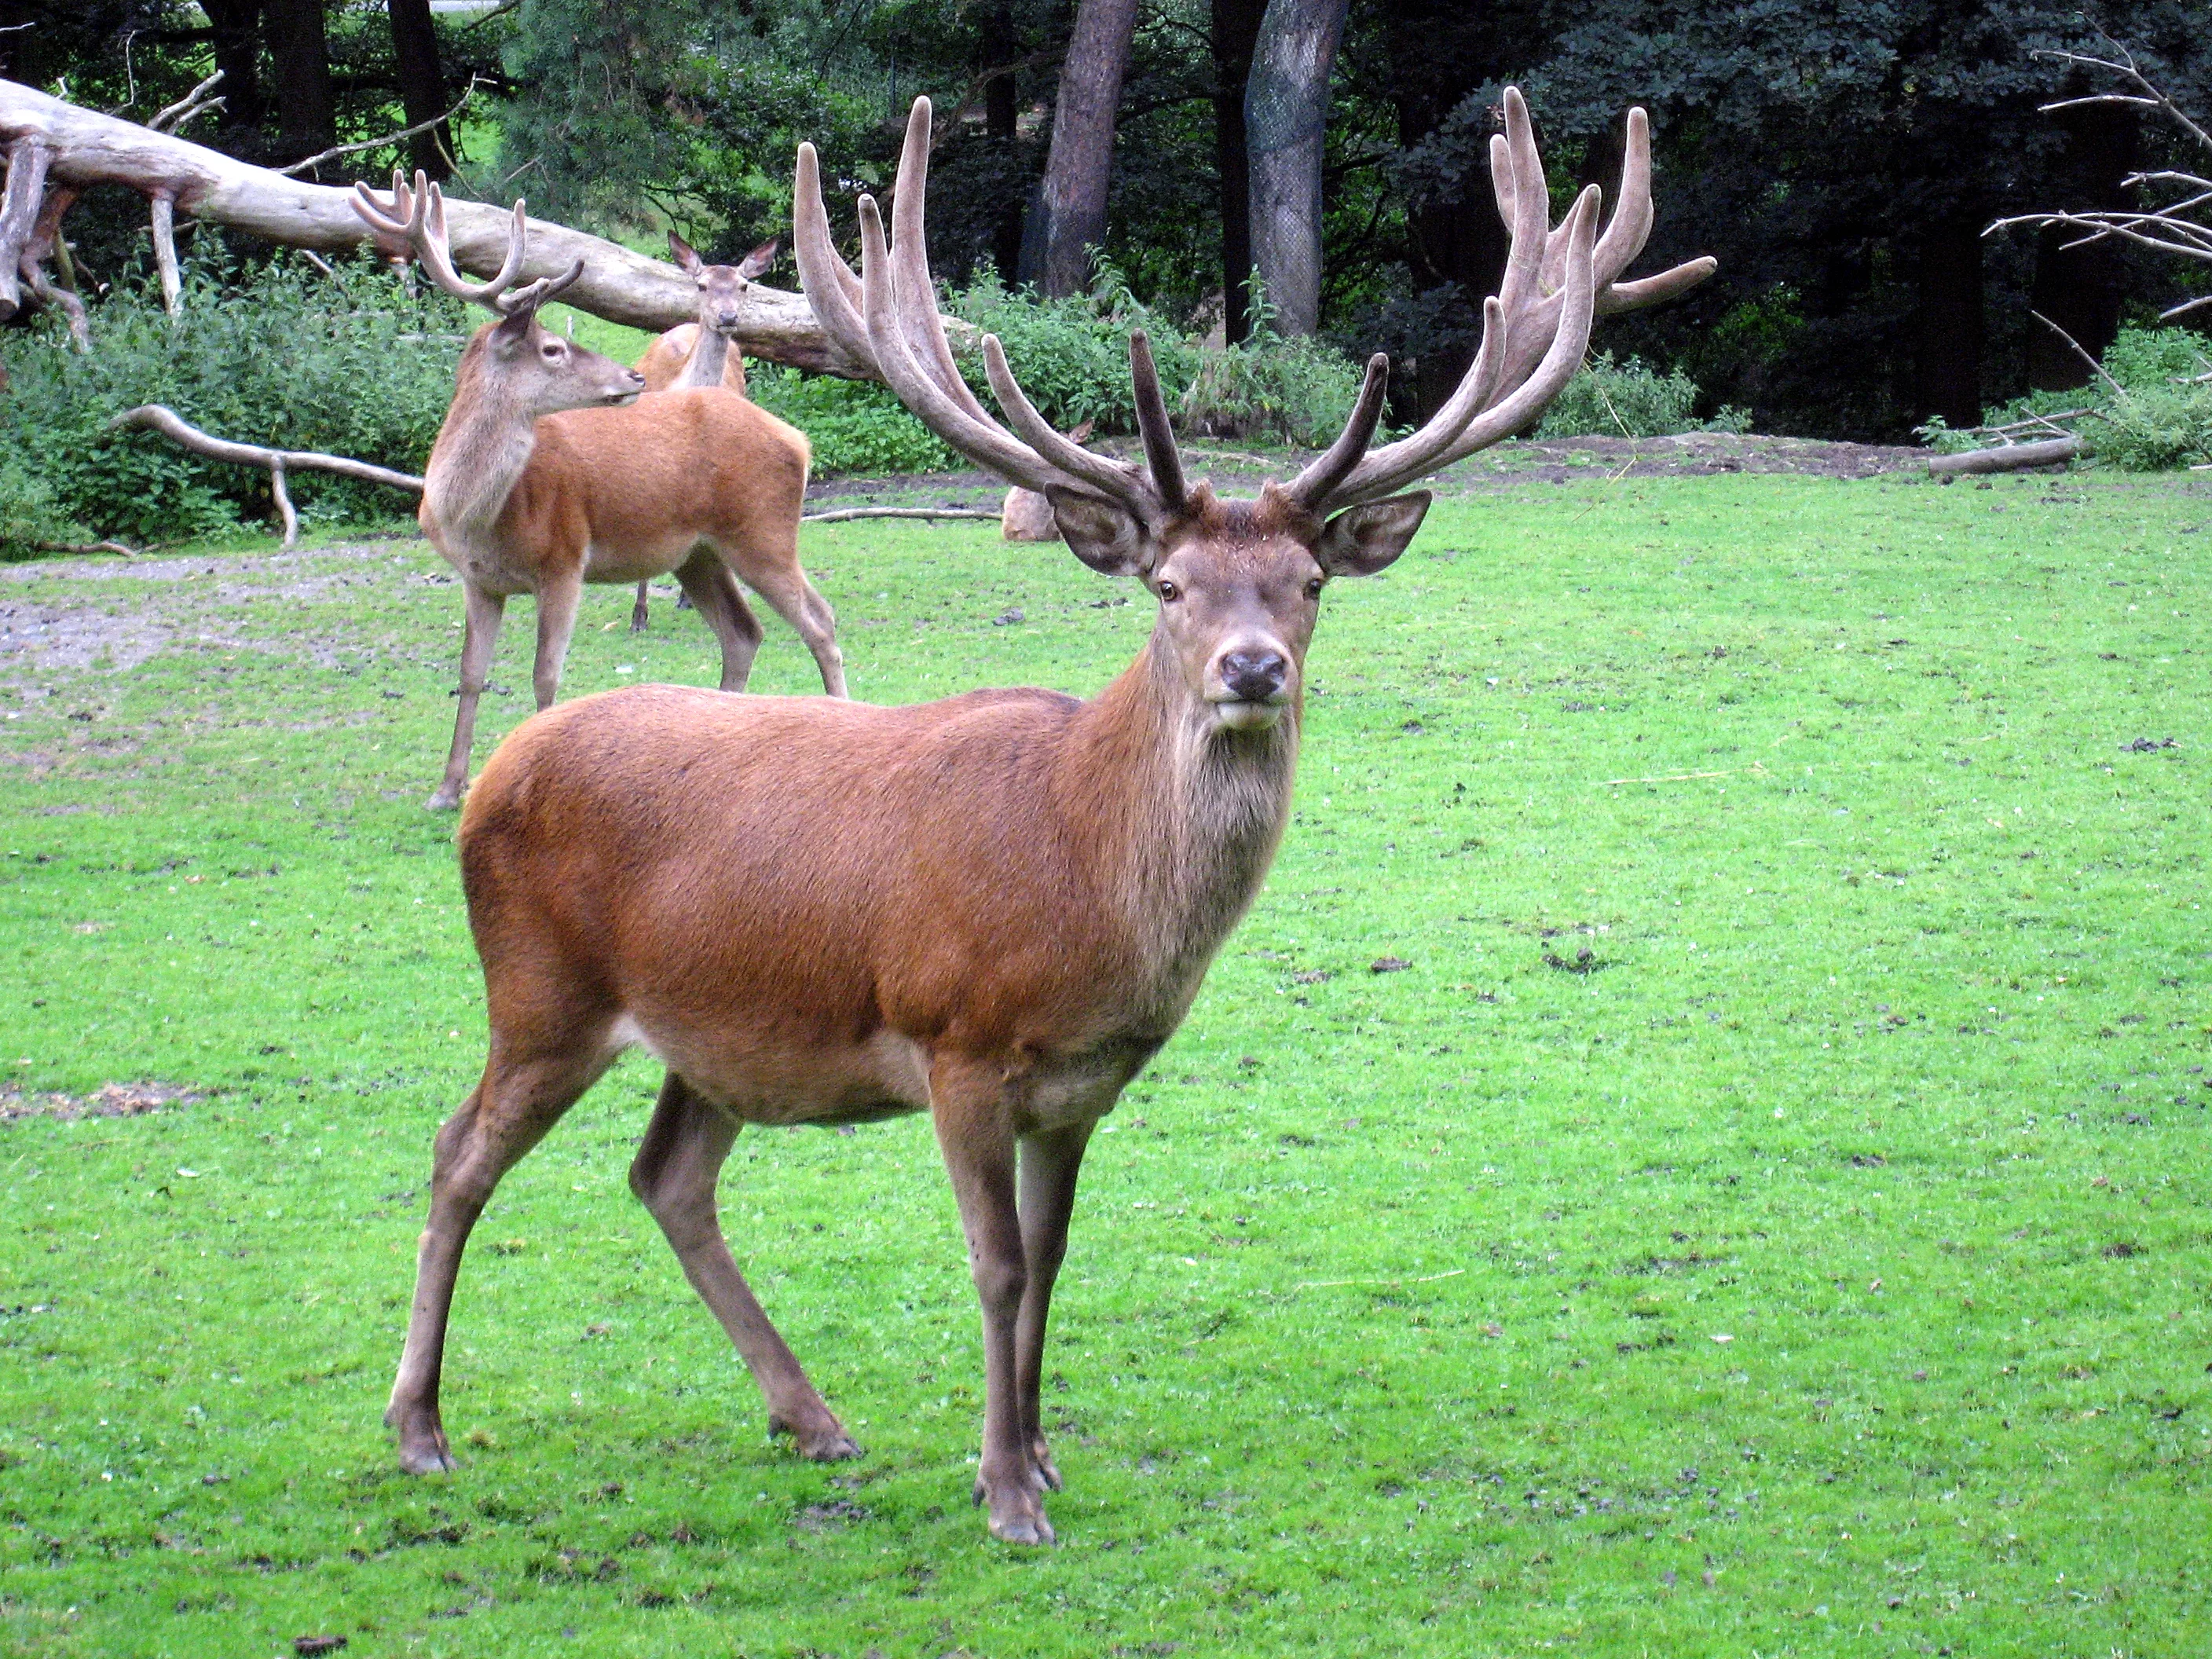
1841 157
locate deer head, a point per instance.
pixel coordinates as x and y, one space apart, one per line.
536 371
722 288
1239 581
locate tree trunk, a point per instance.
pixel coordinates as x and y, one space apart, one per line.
2080 289
1002 125
1236 29
306 120
1947 326
1285 118
237 25
1073 203
421 86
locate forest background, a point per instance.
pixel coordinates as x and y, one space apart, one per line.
1843 160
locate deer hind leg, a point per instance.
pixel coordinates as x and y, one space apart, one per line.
673 1176
967 1106
1049 1164
713 593
637 612
558 601
793 599
510 1111
485 611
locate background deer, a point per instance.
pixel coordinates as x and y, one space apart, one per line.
995 908
548 473
701 354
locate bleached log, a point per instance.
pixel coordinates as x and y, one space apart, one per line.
81 148
2005 457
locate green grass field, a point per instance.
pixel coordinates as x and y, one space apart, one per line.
1768 1216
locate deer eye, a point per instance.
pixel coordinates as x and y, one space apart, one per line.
1169 592
552 354
1313 588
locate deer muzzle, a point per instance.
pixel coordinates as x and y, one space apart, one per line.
1248 686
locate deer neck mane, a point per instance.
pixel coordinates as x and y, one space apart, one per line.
710 354
481 450
1182 816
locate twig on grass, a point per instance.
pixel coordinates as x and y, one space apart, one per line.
1333 1283
844 514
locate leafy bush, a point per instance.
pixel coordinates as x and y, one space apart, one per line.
2161 419
1631 400
1298 391
1071 354
282 357
854 426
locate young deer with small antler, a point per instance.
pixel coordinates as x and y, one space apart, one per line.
700 353
550 472
995 908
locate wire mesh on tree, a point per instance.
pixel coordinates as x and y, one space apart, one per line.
1286 115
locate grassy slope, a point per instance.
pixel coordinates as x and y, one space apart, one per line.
1392 1320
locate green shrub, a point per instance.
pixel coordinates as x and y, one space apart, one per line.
2160 420
282 357
854 426
1297 390
1631 400
1071 354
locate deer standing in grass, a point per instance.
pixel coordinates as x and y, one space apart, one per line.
548 473
995 908
702 354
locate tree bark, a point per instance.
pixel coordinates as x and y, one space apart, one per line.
90 148
1073 203
1236 30
421 86
306 117
1286 120
1948 325
2080 289
1002 125
237 25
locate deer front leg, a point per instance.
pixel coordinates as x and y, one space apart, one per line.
485 611
1049 1163
637 612
558 600
674 1176
968 1105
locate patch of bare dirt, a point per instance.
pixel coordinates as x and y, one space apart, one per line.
109 1100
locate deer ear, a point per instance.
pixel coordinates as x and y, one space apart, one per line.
755 265
1105 537
686 257
511 333
1361 540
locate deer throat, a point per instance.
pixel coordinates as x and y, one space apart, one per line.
1190 828
473 469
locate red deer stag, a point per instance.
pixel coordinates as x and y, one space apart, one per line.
548 473
995 908
700 353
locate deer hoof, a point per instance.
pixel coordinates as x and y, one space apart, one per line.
1042 1474
1023 1526
824 1441
447 800
423 1448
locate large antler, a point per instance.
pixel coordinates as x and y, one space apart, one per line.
417 217
1534 329
887 317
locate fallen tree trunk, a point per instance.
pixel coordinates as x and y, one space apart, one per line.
2005 457
61 146
178 430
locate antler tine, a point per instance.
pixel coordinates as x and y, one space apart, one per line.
435 251
1321 478
1531 209
1110 478
406 215
538 293
831 287
982 441
1625 237
1163 456
1439 445
914 291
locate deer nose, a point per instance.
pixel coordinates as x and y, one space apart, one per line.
1254 676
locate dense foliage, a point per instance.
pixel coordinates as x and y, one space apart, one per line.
2149 410
284 356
